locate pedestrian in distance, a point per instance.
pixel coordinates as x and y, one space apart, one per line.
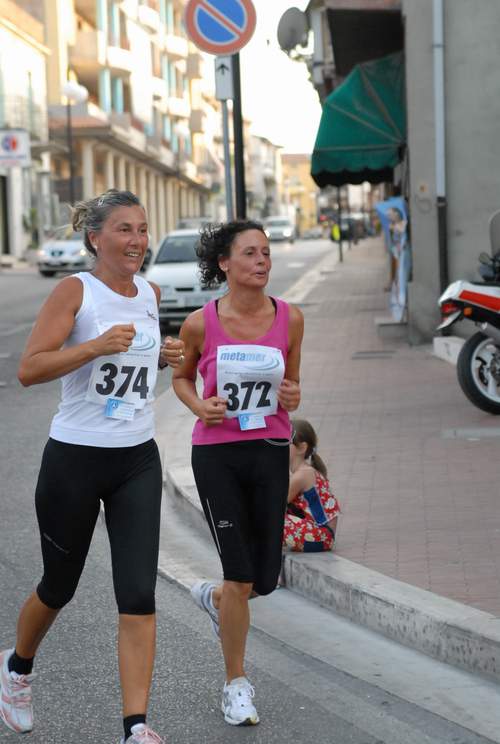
98 332
312 511
246 346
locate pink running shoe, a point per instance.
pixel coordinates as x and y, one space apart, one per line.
16 709
142 734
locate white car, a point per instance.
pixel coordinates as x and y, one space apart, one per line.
175 270
64 253
279 228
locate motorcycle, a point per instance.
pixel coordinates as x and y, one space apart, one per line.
478 363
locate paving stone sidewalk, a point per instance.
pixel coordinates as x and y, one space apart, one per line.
419 504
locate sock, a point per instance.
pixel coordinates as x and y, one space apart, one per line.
130 721
19 665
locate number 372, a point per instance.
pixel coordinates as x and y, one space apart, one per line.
235 392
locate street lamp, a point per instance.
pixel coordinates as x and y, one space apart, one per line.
74 93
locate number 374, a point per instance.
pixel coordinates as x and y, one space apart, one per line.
234 402
108 385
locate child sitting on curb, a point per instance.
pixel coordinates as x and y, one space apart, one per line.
312 512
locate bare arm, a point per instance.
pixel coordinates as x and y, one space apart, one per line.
289 390
300 481
210 411
43 358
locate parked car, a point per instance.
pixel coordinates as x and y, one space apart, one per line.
65 253
175 270
279 228
313 233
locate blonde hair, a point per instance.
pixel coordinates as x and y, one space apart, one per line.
90 216
303 432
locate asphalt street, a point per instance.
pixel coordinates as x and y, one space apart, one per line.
76 693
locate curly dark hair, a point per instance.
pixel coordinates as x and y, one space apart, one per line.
215 242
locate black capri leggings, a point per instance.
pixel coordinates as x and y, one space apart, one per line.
73 480
243 488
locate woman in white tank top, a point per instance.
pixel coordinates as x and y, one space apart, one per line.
99 333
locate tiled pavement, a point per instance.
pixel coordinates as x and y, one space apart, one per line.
419 507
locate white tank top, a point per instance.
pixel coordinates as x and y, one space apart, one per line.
92 393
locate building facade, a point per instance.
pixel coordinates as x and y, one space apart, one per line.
264 177
300 191
23 106
453 188
135 130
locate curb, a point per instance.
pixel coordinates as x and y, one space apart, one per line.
447 348
439 627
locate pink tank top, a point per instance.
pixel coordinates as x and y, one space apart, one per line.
277 425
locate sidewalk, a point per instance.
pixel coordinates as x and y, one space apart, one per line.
419 498
12 263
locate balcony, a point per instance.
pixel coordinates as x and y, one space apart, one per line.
179 107
120 60
21 113
167 157
87 55
159 88
269 174
153 141
197 121
176 46
149 18
195 67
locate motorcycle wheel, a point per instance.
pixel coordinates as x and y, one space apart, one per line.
474 370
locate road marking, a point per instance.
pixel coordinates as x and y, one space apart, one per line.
296 265
299 291
472 434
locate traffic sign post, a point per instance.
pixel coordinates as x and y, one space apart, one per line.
223 27
224 91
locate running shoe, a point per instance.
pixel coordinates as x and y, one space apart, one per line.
201 592
237 704
16 708
142 734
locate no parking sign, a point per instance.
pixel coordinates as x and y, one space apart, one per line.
220 27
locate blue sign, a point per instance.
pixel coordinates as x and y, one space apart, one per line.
220 26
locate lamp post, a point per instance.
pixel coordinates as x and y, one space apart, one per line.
74 93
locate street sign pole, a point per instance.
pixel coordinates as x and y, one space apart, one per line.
223 28
227 162
224 91
239 153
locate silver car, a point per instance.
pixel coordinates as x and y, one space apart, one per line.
279 228
64 253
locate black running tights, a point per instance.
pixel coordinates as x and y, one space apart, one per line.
73 480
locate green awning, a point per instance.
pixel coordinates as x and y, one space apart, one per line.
362 133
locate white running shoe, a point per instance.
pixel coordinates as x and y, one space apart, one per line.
16 708
142 734
201 592
237 704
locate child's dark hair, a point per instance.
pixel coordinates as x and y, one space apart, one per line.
215 243
90 216
304 432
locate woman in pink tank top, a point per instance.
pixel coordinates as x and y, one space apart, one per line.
246 347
